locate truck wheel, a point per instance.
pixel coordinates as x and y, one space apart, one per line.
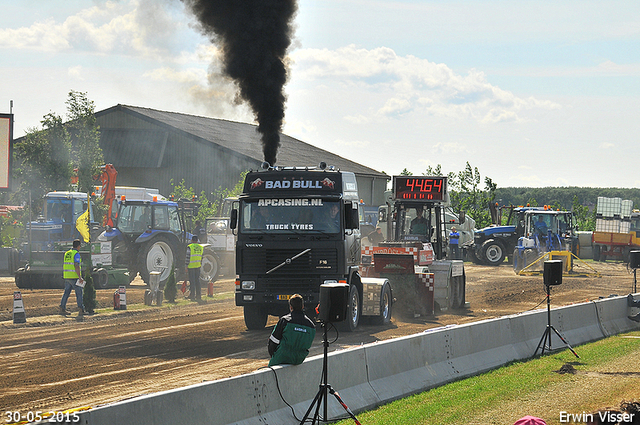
385 306
255 318
353 311
210 267
157 255
493 252
596 253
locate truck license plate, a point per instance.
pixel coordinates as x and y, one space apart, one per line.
283 297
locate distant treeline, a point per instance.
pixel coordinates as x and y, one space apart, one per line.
562 196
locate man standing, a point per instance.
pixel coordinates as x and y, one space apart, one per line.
292 336
193 262
454 238
72 276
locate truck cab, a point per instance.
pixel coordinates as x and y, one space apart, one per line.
57 224
297 228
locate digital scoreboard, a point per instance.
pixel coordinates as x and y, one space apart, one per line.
420 188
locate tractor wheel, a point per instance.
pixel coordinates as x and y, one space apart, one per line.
353 311
156 255
22 279
255 317
210 267
471 255
385 306
100 279
493 252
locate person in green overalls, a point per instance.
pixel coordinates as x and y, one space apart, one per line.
292 336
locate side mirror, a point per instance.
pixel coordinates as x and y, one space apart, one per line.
382 215
352 218
233 220
462 217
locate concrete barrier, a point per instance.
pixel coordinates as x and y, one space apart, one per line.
371 374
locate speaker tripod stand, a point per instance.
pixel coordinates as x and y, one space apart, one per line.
546 336
325 389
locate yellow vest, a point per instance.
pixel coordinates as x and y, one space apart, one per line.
195 258
68 269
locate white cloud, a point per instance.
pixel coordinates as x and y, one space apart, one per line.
451 148
408 85
133 27
75 72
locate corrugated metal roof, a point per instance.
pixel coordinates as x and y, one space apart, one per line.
236 136
134 148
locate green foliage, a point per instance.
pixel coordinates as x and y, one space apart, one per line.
100 210
170 290
43 161
46 158
563 196
466 193
86 154
461 402
208 205
10 229
585 219
89 293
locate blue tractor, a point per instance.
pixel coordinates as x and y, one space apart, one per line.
493 244
151 235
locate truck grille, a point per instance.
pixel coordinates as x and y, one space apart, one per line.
317 261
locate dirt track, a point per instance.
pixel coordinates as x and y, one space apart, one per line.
55 362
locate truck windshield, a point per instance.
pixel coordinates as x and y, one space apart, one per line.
290 216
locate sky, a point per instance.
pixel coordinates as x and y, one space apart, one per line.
531 93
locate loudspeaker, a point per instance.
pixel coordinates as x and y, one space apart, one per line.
552 272
634 259
333 302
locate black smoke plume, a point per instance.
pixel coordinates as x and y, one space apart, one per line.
253 36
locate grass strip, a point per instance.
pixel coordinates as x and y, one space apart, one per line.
461 401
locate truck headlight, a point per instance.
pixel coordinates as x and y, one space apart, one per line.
249 285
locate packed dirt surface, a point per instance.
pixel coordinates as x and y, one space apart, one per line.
55 362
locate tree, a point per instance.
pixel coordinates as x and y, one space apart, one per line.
89 293
86 154
208 205
46 157
170 290
43 159
466 195
585 220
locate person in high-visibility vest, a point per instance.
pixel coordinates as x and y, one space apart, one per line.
72 275
193 262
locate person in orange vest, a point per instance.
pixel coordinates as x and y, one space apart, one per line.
72 276
193 263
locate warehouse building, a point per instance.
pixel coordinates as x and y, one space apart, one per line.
150 148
